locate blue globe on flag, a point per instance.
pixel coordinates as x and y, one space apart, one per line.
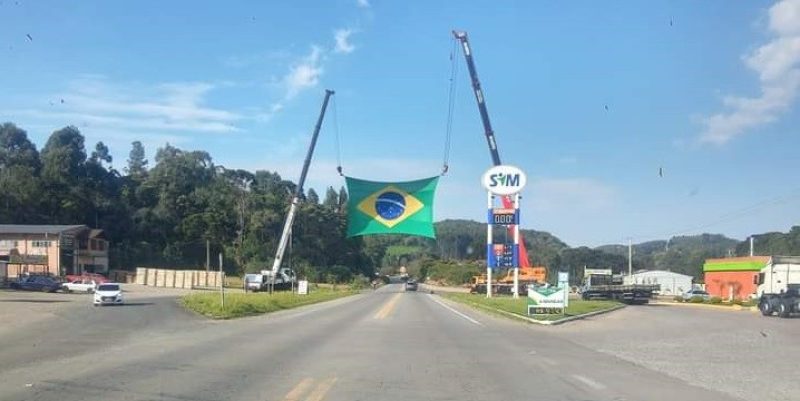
390 205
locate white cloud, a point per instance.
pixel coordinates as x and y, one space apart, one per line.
342 37
363 3
304 74
776 63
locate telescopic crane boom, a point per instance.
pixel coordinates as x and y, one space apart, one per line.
461 36
298 191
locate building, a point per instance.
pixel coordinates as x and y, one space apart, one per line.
670 283
733 278
53 249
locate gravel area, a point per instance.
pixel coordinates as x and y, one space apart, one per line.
740 353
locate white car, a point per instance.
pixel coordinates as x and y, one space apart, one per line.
108 294
87 286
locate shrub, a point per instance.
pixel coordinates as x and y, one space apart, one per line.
677 298
715 300
696 300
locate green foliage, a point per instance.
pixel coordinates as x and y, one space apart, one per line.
772 243
240 304
450 272
519 306
715 300
677 298
696 300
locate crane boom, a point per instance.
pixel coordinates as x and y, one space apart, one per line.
298 191
476 88
461 36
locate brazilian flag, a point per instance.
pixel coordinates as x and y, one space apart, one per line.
390 207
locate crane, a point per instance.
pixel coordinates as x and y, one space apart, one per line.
461 36
298 191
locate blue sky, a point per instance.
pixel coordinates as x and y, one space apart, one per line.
704 90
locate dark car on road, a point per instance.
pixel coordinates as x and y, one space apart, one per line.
411 285
36 283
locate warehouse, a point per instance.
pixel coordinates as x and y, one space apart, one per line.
733 278
670 283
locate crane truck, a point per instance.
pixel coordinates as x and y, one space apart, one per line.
779 286
279 277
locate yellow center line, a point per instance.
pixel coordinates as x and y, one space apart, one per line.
388 307
299 390
321 390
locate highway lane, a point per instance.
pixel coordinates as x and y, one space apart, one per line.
384 345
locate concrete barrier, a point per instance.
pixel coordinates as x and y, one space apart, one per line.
188 279
151 277
169 279
161 277
179 278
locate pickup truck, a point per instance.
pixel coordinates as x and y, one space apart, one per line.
87 286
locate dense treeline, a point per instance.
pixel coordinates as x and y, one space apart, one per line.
163 214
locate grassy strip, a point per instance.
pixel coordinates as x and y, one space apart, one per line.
241 304
520 306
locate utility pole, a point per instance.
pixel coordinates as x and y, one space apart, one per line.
630 257
208 256
221 281
751 245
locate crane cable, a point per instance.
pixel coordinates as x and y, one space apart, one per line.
338 143
451 106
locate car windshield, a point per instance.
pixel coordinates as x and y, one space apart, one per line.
108 287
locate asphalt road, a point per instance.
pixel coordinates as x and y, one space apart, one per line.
382 345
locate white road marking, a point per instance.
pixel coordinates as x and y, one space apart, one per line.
589 382
455 311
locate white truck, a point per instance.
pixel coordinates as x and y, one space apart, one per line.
262 281
779 286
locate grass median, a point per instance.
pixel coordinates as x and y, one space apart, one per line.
249 304
520 306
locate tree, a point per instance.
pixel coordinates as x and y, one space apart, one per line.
331 199
342 199
16 149
100 153
137 164
312 196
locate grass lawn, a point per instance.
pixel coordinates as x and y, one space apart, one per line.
241 304
520 306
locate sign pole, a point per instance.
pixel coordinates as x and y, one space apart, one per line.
489 249
516 247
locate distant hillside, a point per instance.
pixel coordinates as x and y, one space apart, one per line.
773 243
683 254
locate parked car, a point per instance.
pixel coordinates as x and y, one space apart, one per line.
411 285
695 294
82 285
97 277
36 283
108 294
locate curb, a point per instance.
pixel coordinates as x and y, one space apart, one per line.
732 308
541 322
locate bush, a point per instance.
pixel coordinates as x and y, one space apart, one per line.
359 282
696 300
715 300
677 298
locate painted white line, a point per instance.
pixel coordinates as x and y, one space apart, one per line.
589 382
455 311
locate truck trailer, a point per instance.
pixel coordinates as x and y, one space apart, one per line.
599 284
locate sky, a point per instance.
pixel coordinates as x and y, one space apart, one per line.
632 119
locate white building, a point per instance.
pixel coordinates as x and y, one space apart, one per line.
671 283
